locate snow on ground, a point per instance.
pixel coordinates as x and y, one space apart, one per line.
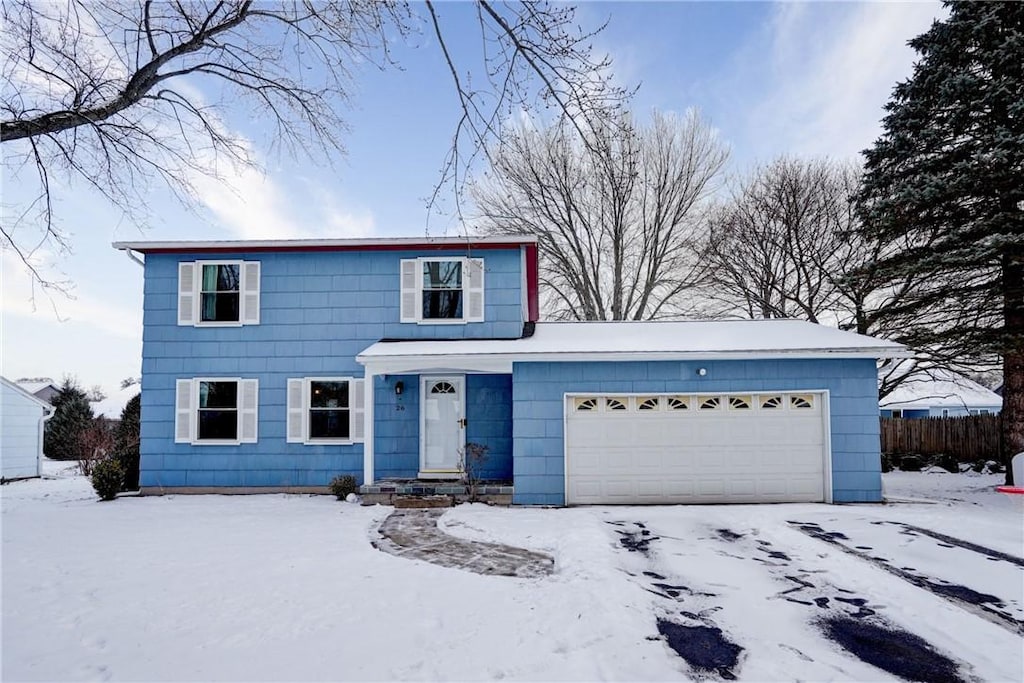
277 587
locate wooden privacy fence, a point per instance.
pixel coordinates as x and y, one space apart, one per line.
974 437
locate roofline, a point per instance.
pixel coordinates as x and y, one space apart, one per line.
48 407
569 356
360 244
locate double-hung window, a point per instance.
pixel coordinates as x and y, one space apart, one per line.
442 290
218 293
216 411
325 410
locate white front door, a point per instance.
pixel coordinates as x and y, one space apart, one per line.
443 425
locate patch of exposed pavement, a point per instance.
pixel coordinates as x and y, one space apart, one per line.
989 607
840 616
414 534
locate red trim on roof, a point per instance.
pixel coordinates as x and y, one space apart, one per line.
532 283
409 246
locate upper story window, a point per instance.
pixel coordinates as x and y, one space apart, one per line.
439 291
216 411
325 410
219 288
442 290
218 293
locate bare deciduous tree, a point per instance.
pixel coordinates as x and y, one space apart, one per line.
786 245
616 212
118 94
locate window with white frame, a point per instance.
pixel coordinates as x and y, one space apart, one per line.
218 293
442 290
325 410
216 410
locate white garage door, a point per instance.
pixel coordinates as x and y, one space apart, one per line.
695 448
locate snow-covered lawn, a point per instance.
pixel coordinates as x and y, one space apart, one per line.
279 587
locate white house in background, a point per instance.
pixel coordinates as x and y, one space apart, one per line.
21 431
42 388
939 393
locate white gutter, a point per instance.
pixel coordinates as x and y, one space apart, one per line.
133 257
568 356
47 414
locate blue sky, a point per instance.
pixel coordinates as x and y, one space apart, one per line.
790 78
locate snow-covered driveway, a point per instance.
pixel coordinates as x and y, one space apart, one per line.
289 588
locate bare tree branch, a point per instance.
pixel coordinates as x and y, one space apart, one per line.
617 213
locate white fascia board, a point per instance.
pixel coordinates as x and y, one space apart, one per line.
413 365
243 245
505 360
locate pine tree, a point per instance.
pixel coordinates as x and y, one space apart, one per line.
944 192
126 441
72 417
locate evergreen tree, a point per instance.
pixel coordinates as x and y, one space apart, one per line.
944 193
72 417
126 442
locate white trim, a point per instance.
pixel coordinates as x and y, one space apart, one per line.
826 415
194 397
197 293
245 245
824 412
437 365
464 281
424 380
368 453
484 359
307 407
35 399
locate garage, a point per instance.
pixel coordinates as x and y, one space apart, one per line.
759 447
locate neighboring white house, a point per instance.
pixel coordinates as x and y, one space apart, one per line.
939 393
21 431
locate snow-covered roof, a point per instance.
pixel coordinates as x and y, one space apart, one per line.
661 340
938 388
113 405
34 387
22 390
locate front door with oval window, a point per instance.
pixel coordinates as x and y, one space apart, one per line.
443 426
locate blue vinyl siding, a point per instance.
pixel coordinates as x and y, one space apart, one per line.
538 412
489 422
318 310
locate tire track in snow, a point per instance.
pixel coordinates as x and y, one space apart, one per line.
988 607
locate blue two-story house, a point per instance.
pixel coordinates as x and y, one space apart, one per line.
278 365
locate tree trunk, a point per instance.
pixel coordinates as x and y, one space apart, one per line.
1013 360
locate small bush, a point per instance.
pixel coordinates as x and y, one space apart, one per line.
107 478
342 485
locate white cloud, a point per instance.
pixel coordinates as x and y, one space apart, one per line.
833 70
24 298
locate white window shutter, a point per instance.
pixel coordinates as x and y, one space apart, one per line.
183 411
296 411
357 412
251 293
474 290
187 293
247 410
410 290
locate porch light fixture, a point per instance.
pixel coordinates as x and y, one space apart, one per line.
399 387
701 372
